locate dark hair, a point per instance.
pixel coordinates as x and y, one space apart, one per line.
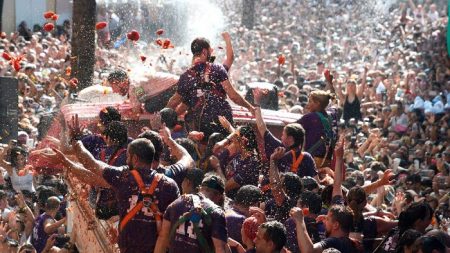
15 152
413 213
312 200
109 114
214 182
248 195
169 117
293 185
377 166
117 132
45 192
198 45
189 145
275 232
343 215
143 149
297 132
156 141
407 239
119 75
428 244
195 176
309 183
247 132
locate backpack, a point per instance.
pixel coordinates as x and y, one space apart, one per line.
145 199
195 215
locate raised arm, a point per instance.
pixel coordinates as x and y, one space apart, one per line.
304 241
362 87
180 153
229 50
338 177
235 96
260 124
274 176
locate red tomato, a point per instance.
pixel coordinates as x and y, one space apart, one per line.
73 83
166 44
100 25
6 56
55 17
305 211
48 14
281 59
159 42
159 32
49 27
143 58
16 65
133 35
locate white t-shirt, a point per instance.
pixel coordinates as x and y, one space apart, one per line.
22 183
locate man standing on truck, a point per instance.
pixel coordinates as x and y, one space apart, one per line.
203 90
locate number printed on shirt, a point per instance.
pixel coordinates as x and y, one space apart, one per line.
145 210
187 229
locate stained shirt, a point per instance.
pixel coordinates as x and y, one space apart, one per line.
206 101
185 239
127 193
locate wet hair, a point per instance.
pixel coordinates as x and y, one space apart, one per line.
275 232
118 75
407 239
14 154
195 176
416 211
293 185
312 200
248 195
143 149
297 132
356 199
169 117
309 183
109 114
117 132
323 97
247 132
214 182
189 145
198 45
344 216
156 141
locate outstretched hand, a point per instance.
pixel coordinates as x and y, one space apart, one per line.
75 130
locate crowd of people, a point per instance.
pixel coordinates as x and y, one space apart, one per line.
365 168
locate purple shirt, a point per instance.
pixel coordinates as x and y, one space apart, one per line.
127 193
306 168
39 237
234 219
191 90
94 143
343 244
243 171
185 239
314 130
